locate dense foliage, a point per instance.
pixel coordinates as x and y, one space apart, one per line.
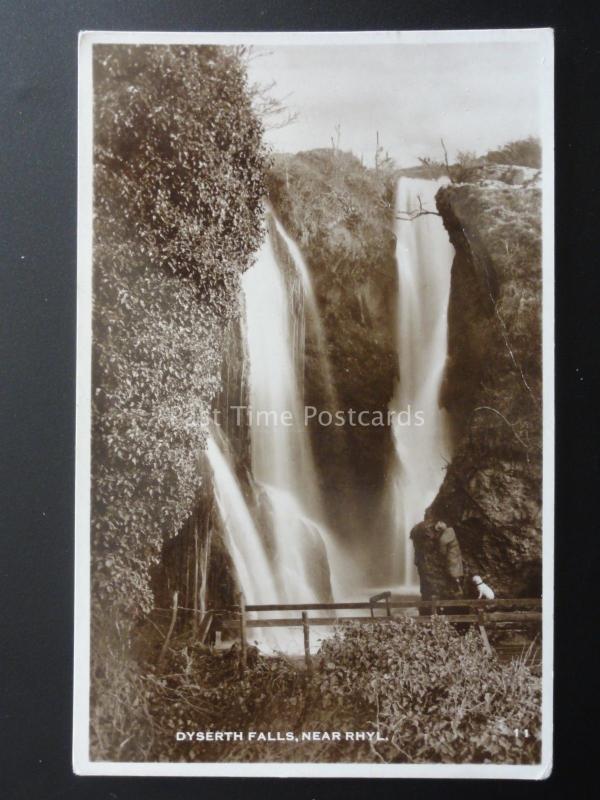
468 167
434 694
329 199
178 182
428 690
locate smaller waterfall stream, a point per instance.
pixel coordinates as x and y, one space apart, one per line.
243 540
244 543
314 316
424 259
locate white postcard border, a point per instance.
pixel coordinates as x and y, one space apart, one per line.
82 764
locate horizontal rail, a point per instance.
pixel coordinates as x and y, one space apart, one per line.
294 622
509 616
504 602
405 602
309 607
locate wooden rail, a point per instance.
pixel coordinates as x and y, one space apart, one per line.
405 602
478 612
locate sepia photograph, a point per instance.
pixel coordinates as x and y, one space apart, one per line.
314 489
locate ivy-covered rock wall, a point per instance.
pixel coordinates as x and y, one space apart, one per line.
179 167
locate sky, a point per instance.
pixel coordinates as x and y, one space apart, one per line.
476 96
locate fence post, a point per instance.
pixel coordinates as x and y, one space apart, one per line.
196 577
170 631
388 609
243 654
483 632
306 632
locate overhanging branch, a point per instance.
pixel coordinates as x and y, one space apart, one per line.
421 211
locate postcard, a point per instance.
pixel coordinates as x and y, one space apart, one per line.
314 490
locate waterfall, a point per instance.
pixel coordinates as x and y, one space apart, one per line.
424 258
282 462
205 558
243 541
314 316
275 532
278 542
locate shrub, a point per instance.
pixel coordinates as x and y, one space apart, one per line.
521 152
433 692
466 168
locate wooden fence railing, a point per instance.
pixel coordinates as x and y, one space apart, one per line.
481 613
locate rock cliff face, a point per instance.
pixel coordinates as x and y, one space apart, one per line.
492 389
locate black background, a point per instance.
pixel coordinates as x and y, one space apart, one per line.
38 114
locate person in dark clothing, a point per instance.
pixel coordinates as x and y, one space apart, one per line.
418 534
451 553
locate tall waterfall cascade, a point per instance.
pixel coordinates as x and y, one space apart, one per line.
279 543
282 463
274 525
422 449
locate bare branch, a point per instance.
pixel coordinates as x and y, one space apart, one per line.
421 211
272 110
511 425
408 216
248 53
446 161
289 118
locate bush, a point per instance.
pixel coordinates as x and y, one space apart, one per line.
178 182
466 168
433 692
521 152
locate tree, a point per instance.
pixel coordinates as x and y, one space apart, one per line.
520 152
271 110
466 167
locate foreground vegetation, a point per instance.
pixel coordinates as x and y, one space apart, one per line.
178 186
431 693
